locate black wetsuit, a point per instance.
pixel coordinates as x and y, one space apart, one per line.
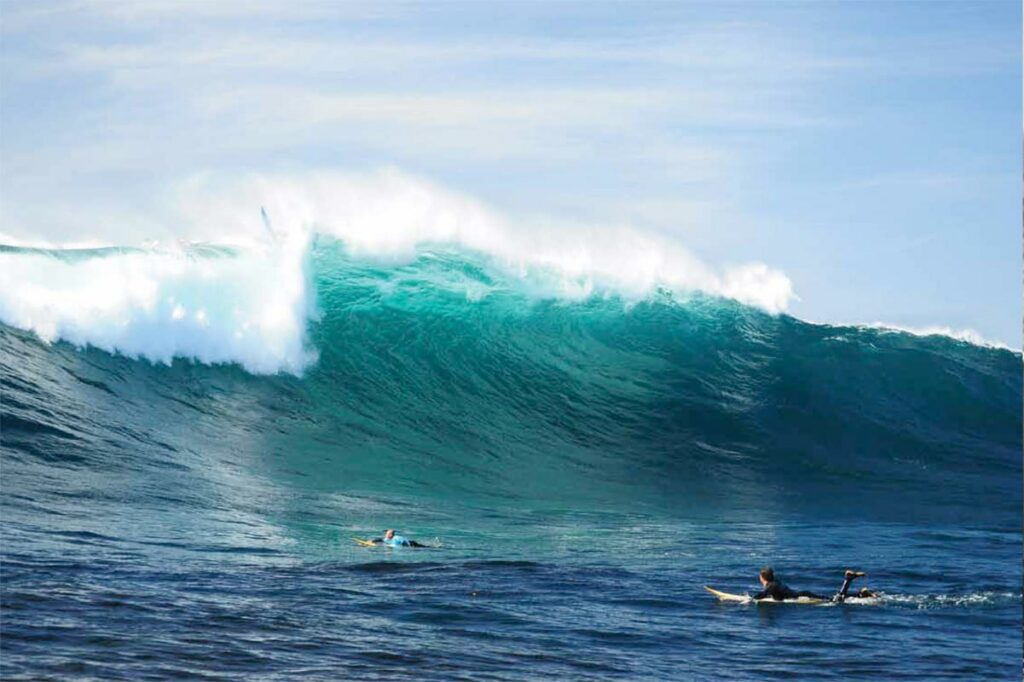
778 591
841 596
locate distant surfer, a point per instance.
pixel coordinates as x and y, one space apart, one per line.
777 590
392 540
266 224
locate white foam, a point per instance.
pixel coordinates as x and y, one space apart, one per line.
933 601
965 335
252 308
389 216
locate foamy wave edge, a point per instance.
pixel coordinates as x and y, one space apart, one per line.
162 302
965 335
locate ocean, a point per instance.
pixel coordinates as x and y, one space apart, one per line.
190 440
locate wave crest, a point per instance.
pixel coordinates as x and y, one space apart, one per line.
250 308
389 216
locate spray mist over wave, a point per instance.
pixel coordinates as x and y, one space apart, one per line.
251 304
390 216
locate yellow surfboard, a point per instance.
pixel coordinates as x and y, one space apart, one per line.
725 596
364 543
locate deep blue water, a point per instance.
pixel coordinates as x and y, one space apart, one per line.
587 467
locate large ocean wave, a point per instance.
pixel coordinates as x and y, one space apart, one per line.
383 336
446 375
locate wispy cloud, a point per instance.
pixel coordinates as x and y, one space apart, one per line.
166 97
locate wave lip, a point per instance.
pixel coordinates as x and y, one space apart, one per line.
248 307
252 305
392 217
966 335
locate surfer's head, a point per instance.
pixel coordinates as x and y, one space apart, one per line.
388 534
767 575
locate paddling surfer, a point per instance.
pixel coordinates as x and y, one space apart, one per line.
392 540
777 590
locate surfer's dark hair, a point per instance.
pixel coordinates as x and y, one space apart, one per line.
768 574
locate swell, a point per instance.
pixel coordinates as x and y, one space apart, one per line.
440 379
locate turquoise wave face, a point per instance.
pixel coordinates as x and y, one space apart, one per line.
439 379
446 378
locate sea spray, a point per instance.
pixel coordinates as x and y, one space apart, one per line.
249 306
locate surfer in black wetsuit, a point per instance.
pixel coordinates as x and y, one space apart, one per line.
775 589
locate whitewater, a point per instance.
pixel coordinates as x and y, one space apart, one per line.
237 288
590 421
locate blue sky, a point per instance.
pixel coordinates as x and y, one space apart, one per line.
870 150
